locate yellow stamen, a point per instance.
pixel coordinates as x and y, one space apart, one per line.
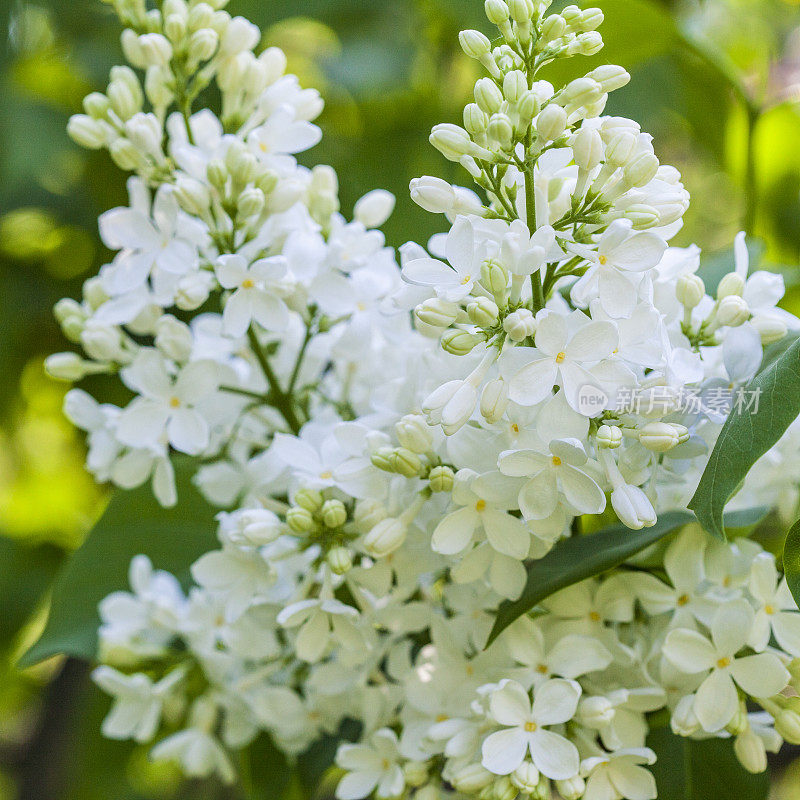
769 609
723 662
326 476
556 461
175 402
466 280
515 427
480 505
247 283
560 357
603 259
542 668
683 599
530 727
594 616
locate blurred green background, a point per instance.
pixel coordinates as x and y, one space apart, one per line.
716 83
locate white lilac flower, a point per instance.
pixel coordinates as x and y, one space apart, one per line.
371 768
554 702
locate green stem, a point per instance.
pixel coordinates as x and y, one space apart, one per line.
281 401
299 363
245 393
750 186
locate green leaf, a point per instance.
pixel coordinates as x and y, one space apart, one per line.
747 435
701 770
791 560
133 523
26 575
580 557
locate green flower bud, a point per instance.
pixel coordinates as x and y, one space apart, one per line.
441 479
641 170
690 290
488 96
731 284
608 437
494 277
475 121
340 560
496 11
382 458
474 43
733 311
334 514
460 343
770 329
494 400
414 433
551 122
437 312
310 499
299 520
405 462
483 311
500 130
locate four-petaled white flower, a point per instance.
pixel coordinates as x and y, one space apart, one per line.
167 405
553 476
554 703
254 297
620 775
321 620
564 346
371 768
760 675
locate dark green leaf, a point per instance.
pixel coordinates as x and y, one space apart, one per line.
747 434
580 557
701 770
791 560
132 523
26 573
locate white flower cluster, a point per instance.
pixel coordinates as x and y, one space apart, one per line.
386 475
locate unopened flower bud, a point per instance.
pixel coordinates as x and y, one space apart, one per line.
367 514
251 202
787 724
580 92
633 507
460 343
203 44
451 141
595 711
415 773
522 11
641 170
609 437
739 723
193 290
385 537
340 560
731 284
432 194
553 27
770 329
587 147
690 290
504 789
520 324
414 433
156 49
551 122
334 514
488 95
471 779
515 86
750 751
610 77
733 311
374 208
500 130
494 400
526 777
173 338
474 43
405 462
662 436
585 44
571 788
475 121
86 132
310 499
496 11
192 196
299 519
483 311
441 479
642 216
494 277
382 458
67 366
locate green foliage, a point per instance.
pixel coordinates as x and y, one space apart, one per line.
746 436
791 560
580 557
702 770
132 523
